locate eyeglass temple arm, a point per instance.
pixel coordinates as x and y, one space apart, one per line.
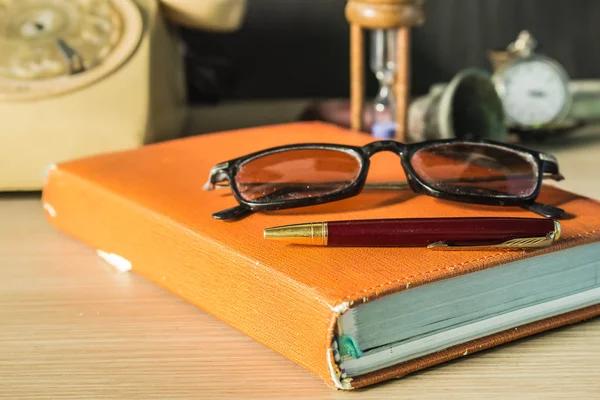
545 210
233 213
550 167
216 175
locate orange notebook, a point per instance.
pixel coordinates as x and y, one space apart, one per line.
338 312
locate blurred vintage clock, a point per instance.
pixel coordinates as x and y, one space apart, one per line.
81 77
534 88
52 47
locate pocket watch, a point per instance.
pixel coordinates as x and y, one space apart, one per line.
51 47
534 88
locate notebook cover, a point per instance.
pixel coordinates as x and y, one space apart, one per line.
147 207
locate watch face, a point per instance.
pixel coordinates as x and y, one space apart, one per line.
535 92
49 47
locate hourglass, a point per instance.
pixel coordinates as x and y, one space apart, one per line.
389 23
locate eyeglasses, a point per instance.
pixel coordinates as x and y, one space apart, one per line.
300 175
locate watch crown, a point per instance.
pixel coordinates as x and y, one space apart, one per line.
524 45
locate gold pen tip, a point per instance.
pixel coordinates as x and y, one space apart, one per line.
314 233
276 233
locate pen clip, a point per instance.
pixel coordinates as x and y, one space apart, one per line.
518 243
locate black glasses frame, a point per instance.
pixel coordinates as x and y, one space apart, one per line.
547 167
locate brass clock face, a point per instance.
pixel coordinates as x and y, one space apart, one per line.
51 47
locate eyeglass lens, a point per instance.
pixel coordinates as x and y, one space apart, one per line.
296 174
473 169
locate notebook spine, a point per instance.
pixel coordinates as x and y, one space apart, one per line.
270 308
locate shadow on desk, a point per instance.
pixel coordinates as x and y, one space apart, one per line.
10 195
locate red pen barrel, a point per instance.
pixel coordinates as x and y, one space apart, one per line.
409 232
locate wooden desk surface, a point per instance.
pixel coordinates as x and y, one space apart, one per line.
71 327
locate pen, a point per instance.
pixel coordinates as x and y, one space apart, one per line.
433 233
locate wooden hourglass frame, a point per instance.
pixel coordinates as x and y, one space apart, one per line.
382 14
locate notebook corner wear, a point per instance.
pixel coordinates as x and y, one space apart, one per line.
339 380
340 308
119 263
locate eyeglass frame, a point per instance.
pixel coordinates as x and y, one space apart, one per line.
547 168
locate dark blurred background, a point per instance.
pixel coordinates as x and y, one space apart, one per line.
300 48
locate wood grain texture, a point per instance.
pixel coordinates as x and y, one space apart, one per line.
402 82
357 76
73 328
385 14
